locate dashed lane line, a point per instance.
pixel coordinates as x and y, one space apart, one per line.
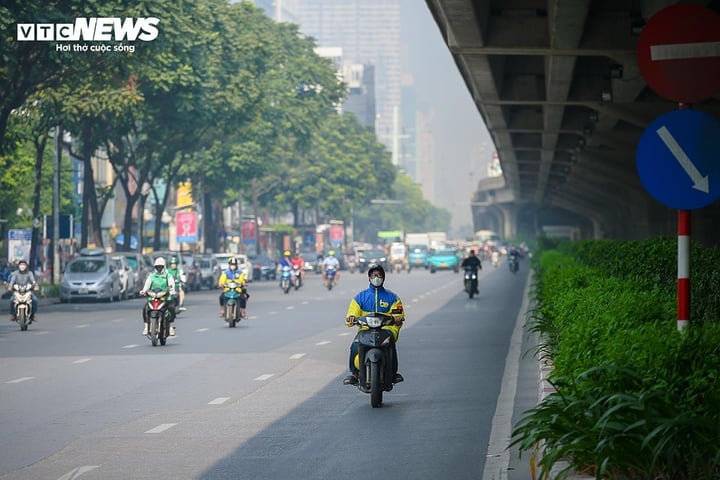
219 401
76 472
297 356
161 428
264 377
82 360
20 380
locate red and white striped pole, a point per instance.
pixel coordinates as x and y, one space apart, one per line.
683 268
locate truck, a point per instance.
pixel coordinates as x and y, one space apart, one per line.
437 240
418 249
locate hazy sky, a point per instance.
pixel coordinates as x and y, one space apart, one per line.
462 144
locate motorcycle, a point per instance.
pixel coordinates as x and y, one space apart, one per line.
22 298
233 291
157 313
330 275
495 259
471 281
285 278
374 360
296 278
513 263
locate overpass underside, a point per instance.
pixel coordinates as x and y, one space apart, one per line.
558 86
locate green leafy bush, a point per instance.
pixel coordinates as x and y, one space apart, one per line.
635 398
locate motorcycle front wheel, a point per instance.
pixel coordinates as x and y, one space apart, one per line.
22 320
376 392
154 331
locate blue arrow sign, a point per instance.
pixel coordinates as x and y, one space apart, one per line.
678 159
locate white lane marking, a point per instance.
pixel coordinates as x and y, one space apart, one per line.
290 307
685 50
305 302
83 325
202 329
75 473
219 401
344 334
82 360
41 333
498 452
297 356
324 342
161 428
132 345
21 379
264 377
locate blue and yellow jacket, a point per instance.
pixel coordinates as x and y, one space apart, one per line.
380 300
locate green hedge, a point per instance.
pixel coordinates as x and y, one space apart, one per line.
635 399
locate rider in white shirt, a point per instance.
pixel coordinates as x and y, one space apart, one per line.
331 262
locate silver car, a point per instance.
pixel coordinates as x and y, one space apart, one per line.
93 275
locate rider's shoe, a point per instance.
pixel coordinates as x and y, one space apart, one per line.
145 329
172 330
398 378
351 379
13 318
181 309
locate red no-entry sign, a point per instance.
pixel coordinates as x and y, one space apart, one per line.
679 53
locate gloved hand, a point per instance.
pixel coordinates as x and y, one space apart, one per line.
399 320
350 321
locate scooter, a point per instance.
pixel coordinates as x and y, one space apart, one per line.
296 278
285 278
233 292
330 277
471 281
374 360
513 263
157 314
22 298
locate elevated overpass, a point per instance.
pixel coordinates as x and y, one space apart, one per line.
558 85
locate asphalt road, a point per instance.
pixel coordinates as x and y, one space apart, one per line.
85 396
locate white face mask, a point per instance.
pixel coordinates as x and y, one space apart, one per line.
377 281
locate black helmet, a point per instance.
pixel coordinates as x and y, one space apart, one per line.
376 267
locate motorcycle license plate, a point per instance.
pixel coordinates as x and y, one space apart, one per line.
83 291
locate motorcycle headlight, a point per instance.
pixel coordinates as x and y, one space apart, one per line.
373 321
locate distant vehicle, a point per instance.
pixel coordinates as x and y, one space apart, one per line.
92 275
264 268
139 266
209 270
312 263
444 259
127 276
368 257
487 237
243 264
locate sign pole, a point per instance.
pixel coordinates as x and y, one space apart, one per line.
683 285
683 265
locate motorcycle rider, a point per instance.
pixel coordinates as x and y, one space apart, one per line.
473 262
233 274
22 277
331 262
160 279
179 277
297 261
376 298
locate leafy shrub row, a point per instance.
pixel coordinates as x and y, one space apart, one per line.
635 398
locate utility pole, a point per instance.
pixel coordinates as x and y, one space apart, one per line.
56 209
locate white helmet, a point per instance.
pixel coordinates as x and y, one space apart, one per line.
159 264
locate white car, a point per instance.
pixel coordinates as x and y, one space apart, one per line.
243 264
127 278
